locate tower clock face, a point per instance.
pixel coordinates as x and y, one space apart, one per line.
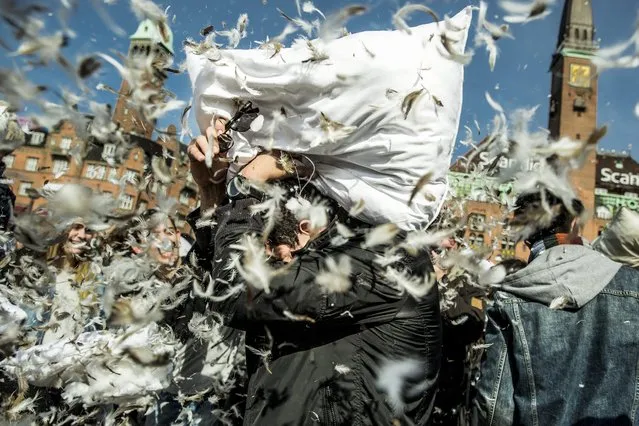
580 75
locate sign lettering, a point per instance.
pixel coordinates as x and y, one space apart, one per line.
607 175
486 161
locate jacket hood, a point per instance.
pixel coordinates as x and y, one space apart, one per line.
575 273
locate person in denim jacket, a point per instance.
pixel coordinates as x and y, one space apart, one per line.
561 335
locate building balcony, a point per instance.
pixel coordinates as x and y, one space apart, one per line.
63 152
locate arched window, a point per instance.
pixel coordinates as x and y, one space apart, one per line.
585 34
577 33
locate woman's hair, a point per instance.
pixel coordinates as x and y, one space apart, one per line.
57 258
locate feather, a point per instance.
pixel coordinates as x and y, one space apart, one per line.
416 286
519 12
399 18
419 185
252 265
409 101
146 9
309 7
342 369
296 317
335 276
492 276
399 379
357 208
333 25
380 235
560 303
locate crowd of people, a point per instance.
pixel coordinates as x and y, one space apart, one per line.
287 319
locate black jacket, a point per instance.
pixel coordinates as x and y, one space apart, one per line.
293 378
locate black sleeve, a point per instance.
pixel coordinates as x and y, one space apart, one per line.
293 291
203 247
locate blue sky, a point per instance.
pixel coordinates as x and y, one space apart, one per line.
520 79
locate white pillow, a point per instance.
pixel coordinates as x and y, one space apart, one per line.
361 85
620 241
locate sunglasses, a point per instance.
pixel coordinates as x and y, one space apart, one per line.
241 122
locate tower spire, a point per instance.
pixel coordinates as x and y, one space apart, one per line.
577 29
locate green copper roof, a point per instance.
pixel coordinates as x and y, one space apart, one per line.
158 32
574 53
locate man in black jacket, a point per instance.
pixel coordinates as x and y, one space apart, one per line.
7 203
368 355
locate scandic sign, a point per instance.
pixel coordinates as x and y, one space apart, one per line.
620 178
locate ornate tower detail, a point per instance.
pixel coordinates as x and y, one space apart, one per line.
573 93
153 41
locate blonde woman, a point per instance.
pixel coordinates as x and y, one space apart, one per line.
75 295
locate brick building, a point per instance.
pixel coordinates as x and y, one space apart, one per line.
60 155
607 181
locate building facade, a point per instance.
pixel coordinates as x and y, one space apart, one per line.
60 155
606 182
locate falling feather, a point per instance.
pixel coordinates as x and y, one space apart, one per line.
523 12
409 101
335 276
147 9
380 235
399 18
309 7
424 180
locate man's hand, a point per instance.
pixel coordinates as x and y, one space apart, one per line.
209 180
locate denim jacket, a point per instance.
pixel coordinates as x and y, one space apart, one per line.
576 364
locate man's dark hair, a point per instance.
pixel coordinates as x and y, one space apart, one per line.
529 208
513 265
286 224
7 201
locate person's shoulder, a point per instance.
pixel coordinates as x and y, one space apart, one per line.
626 278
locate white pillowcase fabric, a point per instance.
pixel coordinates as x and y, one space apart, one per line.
379 154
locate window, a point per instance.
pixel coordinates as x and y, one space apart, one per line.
184 197
24 186
131 176
476 240
476 222
95 171
8 160
109 150
31 165
113 174
65 143
126 202
507 247
36 138
60 166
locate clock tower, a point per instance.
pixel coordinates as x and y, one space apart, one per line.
573 94
152 40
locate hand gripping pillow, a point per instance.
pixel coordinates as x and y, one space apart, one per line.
374 111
